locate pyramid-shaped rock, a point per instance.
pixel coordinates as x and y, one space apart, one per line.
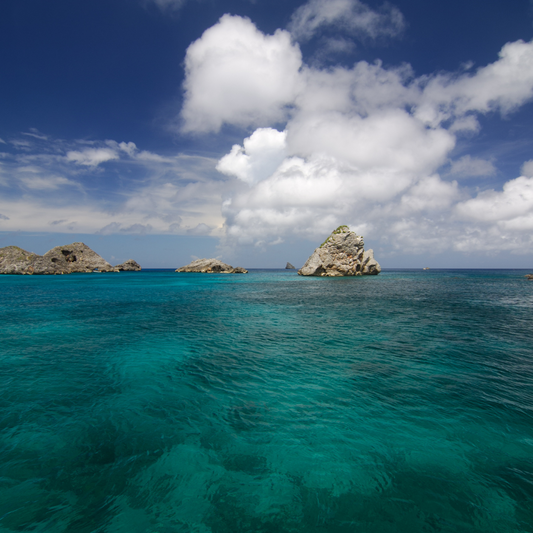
341 254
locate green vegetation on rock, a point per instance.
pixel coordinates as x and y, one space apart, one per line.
340 229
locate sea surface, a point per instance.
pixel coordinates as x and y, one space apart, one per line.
157 402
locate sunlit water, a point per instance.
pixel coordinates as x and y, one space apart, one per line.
157 402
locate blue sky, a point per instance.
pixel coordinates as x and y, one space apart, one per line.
166 130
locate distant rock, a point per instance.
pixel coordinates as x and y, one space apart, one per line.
289 265
129 266
529 277
15 260
341 254
211 266
75 257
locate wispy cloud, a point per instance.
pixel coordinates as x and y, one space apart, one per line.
169 5
351 17
468 166
35 134
200 229
20 144
46 182
92 157
49 185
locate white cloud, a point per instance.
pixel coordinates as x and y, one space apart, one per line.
361 90
137 192
237 75
515 200
386 139
503 85
465 124
430 194
331 46
200 229
351 16
36 134
82 215
363 147
527 169
301 197
139 229
46 182
29 169
109 229
92 157
468 166
130 148
169 5
175 226
360 145
156 158
258 158
20 144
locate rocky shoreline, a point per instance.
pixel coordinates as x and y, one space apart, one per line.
68 259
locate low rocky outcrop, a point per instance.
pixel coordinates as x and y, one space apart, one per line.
290 266
341 254
128 266
15 260
211 266
75 257
529 277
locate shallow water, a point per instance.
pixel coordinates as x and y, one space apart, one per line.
158 402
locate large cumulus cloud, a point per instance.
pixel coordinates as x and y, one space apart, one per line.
235 74
363 145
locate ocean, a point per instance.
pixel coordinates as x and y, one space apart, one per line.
157 402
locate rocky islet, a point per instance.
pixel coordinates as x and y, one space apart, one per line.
68 259
341 254
128 266
211 266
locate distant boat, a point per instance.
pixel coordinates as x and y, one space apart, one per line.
425 268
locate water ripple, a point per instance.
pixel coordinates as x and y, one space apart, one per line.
153 402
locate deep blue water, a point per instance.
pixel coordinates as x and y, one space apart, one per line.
157 402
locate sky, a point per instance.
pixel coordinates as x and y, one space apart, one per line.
248 130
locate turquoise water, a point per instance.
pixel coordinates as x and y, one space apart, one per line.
158 402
